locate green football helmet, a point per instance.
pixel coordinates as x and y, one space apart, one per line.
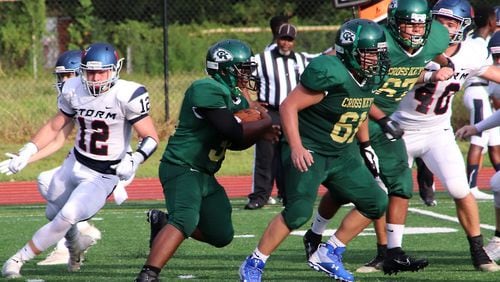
355 40
409 12
228 61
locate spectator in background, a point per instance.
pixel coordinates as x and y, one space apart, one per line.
275 24
278 70
477 101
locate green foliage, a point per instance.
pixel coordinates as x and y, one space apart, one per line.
20 34
81 30
142 45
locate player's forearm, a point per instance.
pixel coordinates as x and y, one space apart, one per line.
376 113
48 150
363 133
290 125
50 130
490 122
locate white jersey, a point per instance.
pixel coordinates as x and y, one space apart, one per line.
104 123
481 52
429 106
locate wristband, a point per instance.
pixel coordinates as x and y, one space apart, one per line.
364 144
147 147
428 76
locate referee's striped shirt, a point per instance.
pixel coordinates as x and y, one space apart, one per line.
279 74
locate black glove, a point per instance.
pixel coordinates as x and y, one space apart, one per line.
391 128
370 158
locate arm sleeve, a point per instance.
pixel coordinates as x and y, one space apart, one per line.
490 122
224 122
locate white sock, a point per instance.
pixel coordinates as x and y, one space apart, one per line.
319 224
25 253
257 254
334 241
394 235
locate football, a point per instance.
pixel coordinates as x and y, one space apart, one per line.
247 115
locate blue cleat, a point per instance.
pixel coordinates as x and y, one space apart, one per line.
251 270
329 260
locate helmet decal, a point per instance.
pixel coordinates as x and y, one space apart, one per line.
418 18
393 4
347 37
222 55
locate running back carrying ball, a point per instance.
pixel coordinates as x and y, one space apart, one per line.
247 115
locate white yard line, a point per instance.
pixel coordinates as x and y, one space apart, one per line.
445 217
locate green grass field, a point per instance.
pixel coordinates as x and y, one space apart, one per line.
124 246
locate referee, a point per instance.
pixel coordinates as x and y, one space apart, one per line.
279 70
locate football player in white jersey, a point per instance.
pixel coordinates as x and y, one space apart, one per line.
67 66
493 247
477 100
105 109
425 115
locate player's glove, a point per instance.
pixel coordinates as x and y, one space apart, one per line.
370 158
127 167
391 128
17 162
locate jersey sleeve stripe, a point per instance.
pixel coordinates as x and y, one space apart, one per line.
138 92
134 120
65 113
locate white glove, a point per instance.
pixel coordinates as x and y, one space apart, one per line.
128 165
4 165
19 161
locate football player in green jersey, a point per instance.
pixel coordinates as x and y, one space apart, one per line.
320 119
198 205
413 39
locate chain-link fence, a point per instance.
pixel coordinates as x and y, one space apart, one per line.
34 32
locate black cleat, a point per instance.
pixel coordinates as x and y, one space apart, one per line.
376 264
157 220
253 206
147 276
397 261
430 202
480 258
311 242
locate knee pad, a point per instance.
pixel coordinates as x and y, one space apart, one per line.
457 189
495 187
297 213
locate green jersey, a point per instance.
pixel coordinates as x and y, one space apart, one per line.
196 143
406 68
330 126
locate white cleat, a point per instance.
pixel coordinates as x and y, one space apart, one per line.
77 251
479 195
12 268
493 248
60 255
